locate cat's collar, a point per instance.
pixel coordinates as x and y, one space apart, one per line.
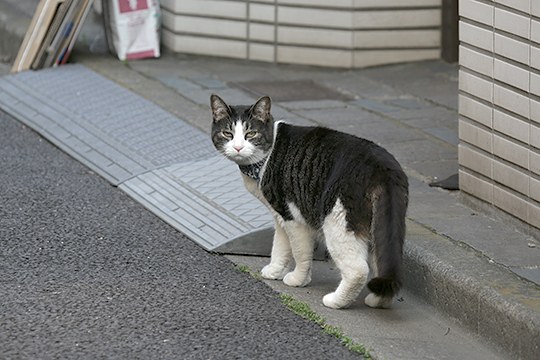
253 170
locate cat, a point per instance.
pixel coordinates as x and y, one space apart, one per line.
316 180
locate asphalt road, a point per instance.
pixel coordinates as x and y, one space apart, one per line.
86 272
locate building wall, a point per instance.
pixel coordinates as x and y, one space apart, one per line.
499 104
337 33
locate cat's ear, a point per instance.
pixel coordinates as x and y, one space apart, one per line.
261 109
220 110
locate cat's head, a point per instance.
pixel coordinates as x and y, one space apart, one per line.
244 134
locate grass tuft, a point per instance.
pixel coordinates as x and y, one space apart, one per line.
245 269
302 309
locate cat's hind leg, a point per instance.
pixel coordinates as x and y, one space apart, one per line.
281 256
350 254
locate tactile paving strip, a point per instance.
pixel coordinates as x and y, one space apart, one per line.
203 199
112 130
161 161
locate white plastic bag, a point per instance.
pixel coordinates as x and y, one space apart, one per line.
135 28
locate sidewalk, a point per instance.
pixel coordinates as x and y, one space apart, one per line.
474 268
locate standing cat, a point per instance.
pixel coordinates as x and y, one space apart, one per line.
314 180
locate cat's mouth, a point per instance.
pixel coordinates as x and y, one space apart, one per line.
240 159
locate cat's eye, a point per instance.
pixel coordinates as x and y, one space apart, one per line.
250 134
227 134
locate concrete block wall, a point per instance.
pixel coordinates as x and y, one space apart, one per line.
499 104
336 33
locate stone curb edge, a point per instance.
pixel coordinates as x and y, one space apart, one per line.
491 301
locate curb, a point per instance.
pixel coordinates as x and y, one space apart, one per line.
492 302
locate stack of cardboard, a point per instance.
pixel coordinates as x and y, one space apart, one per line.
52 34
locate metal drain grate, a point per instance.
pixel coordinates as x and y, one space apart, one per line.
161 161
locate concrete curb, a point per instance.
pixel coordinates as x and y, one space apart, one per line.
491 301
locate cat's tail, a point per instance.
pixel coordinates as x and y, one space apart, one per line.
388 231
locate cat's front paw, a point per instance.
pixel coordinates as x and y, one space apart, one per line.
274 272
297 279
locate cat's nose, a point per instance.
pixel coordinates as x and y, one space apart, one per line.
238 148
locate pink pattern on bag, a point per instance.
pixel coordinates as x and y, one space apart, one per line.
132 5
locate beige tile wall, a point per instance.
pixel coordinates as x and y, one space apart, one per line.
499 104
336 33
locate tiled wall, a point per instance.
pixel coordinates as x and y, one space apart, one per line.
499 104
337 33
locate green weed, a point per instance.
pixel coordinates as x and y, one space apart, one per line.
245 269
302 309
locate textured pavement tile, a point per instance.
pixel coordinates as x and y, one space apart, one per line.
113 131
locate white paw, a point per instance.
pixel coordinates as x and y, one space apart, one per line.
273 272
375 301
296 279
332 301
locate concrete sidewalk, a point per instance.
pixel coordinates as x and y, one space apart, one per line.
476 269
